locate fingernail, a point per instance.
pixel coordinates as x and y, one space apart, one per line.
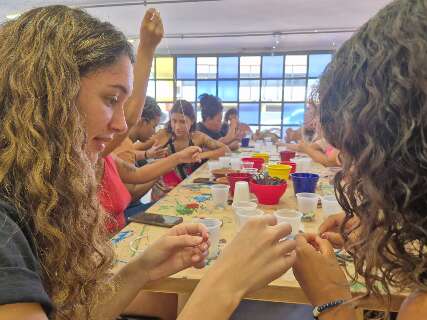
324 236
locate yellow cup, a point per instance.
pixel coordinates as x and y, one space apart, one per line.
262 155
280 171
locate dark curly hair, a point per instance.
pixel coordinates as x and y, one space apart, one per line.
373 108
210 106
151 109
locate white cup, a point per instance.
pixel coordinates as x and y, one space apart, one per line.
220 194
243 214
303 164
225 162
241 191
291 217
249 205
330 206
214 227
307 202
235 163
213 165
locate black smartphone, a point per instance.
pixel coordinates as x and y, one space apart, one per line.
160 220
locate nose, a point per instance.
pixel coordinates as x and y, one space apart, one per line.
118 121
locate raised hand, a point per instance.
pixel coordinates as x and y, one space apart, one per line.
151 31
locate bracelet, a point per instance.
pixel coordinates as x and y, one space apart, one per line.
145 155
326 306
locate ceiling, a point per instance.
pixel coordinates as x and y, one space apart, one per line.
230 26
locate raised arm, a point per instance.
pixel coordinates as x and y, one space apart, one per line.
151 32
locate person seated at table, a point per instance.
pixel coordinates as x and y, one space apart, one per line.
54 252
373 106
231 119
134 148
180 133
211 109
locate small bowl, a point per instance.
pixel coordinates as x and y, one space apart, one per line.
262 155
292 164
280 171
268 194
257 162
287 155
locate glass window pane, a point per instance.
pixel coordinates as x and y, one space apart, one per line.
293 113
198 113
206 67
250 67
164 68
272 66
151 90
152 70
249 90
295 66
271 90
271 113
254 128
227 90
164 90
185 68
311 84
186 89
248 113
294 90
228 67
206 86
317 63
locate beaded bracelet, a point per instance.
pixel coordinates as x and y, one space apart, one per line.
322 308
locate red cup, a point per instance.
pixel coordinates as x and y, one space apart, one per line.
287 155
292 164
268 194
234 177
258 162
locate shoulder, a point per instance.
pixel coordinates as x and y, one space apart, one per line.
414 307
20 275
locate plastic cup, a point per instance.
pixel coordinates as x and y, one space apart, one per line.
220 194
214 227
213 165
244 204
234 177
235 163
241 191
291 217
304 182
307 203
287 155
224 162
245 142
330 206
303 164
244 214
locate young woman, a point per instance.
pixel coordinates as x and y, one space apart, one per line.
231 120
180 134
373 109
59 106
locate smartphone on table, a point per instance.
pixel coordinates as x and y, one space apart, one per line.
160 220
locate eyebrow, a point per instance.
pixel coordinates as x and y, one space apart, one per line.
120 87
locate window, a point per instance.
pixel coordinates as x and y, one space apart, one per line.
248 113
271 90
206 67
228 67
206 86
295 66
250 67
271 113
185 68
272 66
228 90
318 63
249 90
186 89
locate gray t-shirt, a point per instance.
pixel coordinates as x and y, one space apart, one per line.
20 280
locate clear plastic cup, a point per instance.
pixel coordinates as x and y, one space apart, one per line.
291 217
235 163
307 203
249 205
225 162
213 165
330 206
220 194
243 215
303 164
214 227
241 191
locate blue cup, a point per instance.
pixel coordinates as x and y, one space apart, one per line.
304 182
245 142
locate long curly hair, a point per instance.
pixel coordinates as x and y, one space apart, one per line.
373 108
44 171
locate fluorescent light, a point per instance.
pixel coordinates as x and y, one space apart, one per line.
13 16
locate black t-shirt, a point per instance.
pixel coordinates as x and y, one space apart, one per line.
213 134
20 280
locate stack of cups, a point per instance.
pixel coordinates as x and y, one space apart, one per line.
214 227
235 163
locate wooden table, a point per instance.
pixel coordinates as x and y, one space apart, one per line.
181 201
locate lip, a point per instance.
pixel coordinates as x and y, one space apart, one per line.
100 142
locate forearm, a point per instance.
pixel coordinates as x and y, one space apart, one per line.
214 154
318 156
343 312
233 146
139 190
221 307
140 155
150 171
129 281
